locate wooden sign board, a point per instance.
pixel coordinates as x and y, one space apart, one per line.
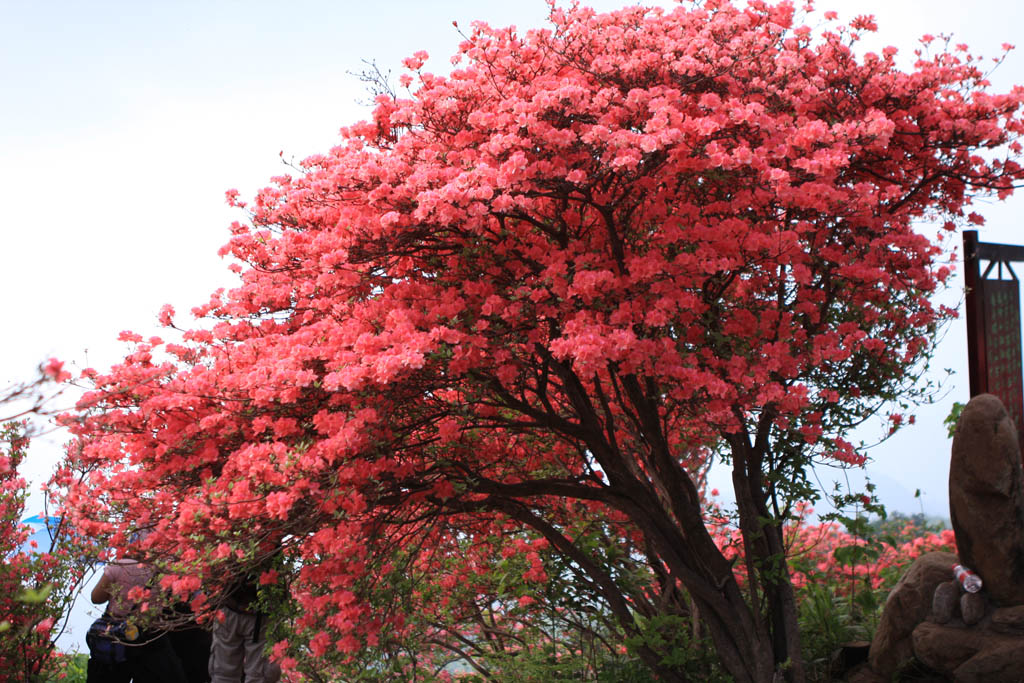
993 324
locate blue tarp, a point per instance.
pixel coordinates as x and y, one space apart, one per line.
43 529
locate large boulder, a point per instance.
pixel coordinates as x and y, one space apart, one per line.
986 498
907 606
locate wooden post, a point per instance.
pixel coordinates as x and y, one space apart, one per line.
976 367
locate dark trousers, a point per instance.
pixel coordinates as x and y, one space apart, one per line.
153 662
192 645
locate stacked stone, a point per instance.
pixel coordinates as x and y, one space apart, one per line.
928 618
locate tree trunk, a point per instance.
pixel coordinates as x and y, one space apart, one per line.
741 641
766 560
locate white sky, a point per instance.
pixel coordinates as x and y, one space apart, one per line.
123 123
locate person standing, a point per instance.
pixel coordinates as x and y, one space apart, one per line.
146 656
192 643
239 639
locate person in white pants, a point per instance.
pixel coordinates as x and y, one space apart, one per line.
238 643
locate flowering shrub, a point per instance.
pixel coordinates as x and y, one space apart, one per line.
37 585
548 289
844 579
813 550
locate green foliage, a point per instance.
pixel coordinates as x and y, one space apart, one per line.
953 419
36 596
833 613
683 651
28 597
867 546
67 668
626 671
828 619
36 587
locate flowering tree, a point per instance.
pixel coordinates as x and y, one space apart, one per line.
550 287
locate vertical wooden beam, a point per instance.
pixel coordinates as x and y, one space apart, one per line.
976 360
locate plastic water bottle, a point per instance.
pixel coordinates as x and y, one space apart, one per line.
968 579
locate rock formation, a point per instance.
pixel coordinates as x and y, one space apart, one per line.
908 605
986 498
928 619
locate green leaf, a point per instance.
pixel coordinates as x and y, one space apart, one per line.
35 596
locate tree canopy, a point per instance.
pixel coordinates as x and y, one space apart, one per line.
529 301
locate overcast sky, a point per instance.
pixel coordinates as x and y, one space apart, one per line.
123 123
